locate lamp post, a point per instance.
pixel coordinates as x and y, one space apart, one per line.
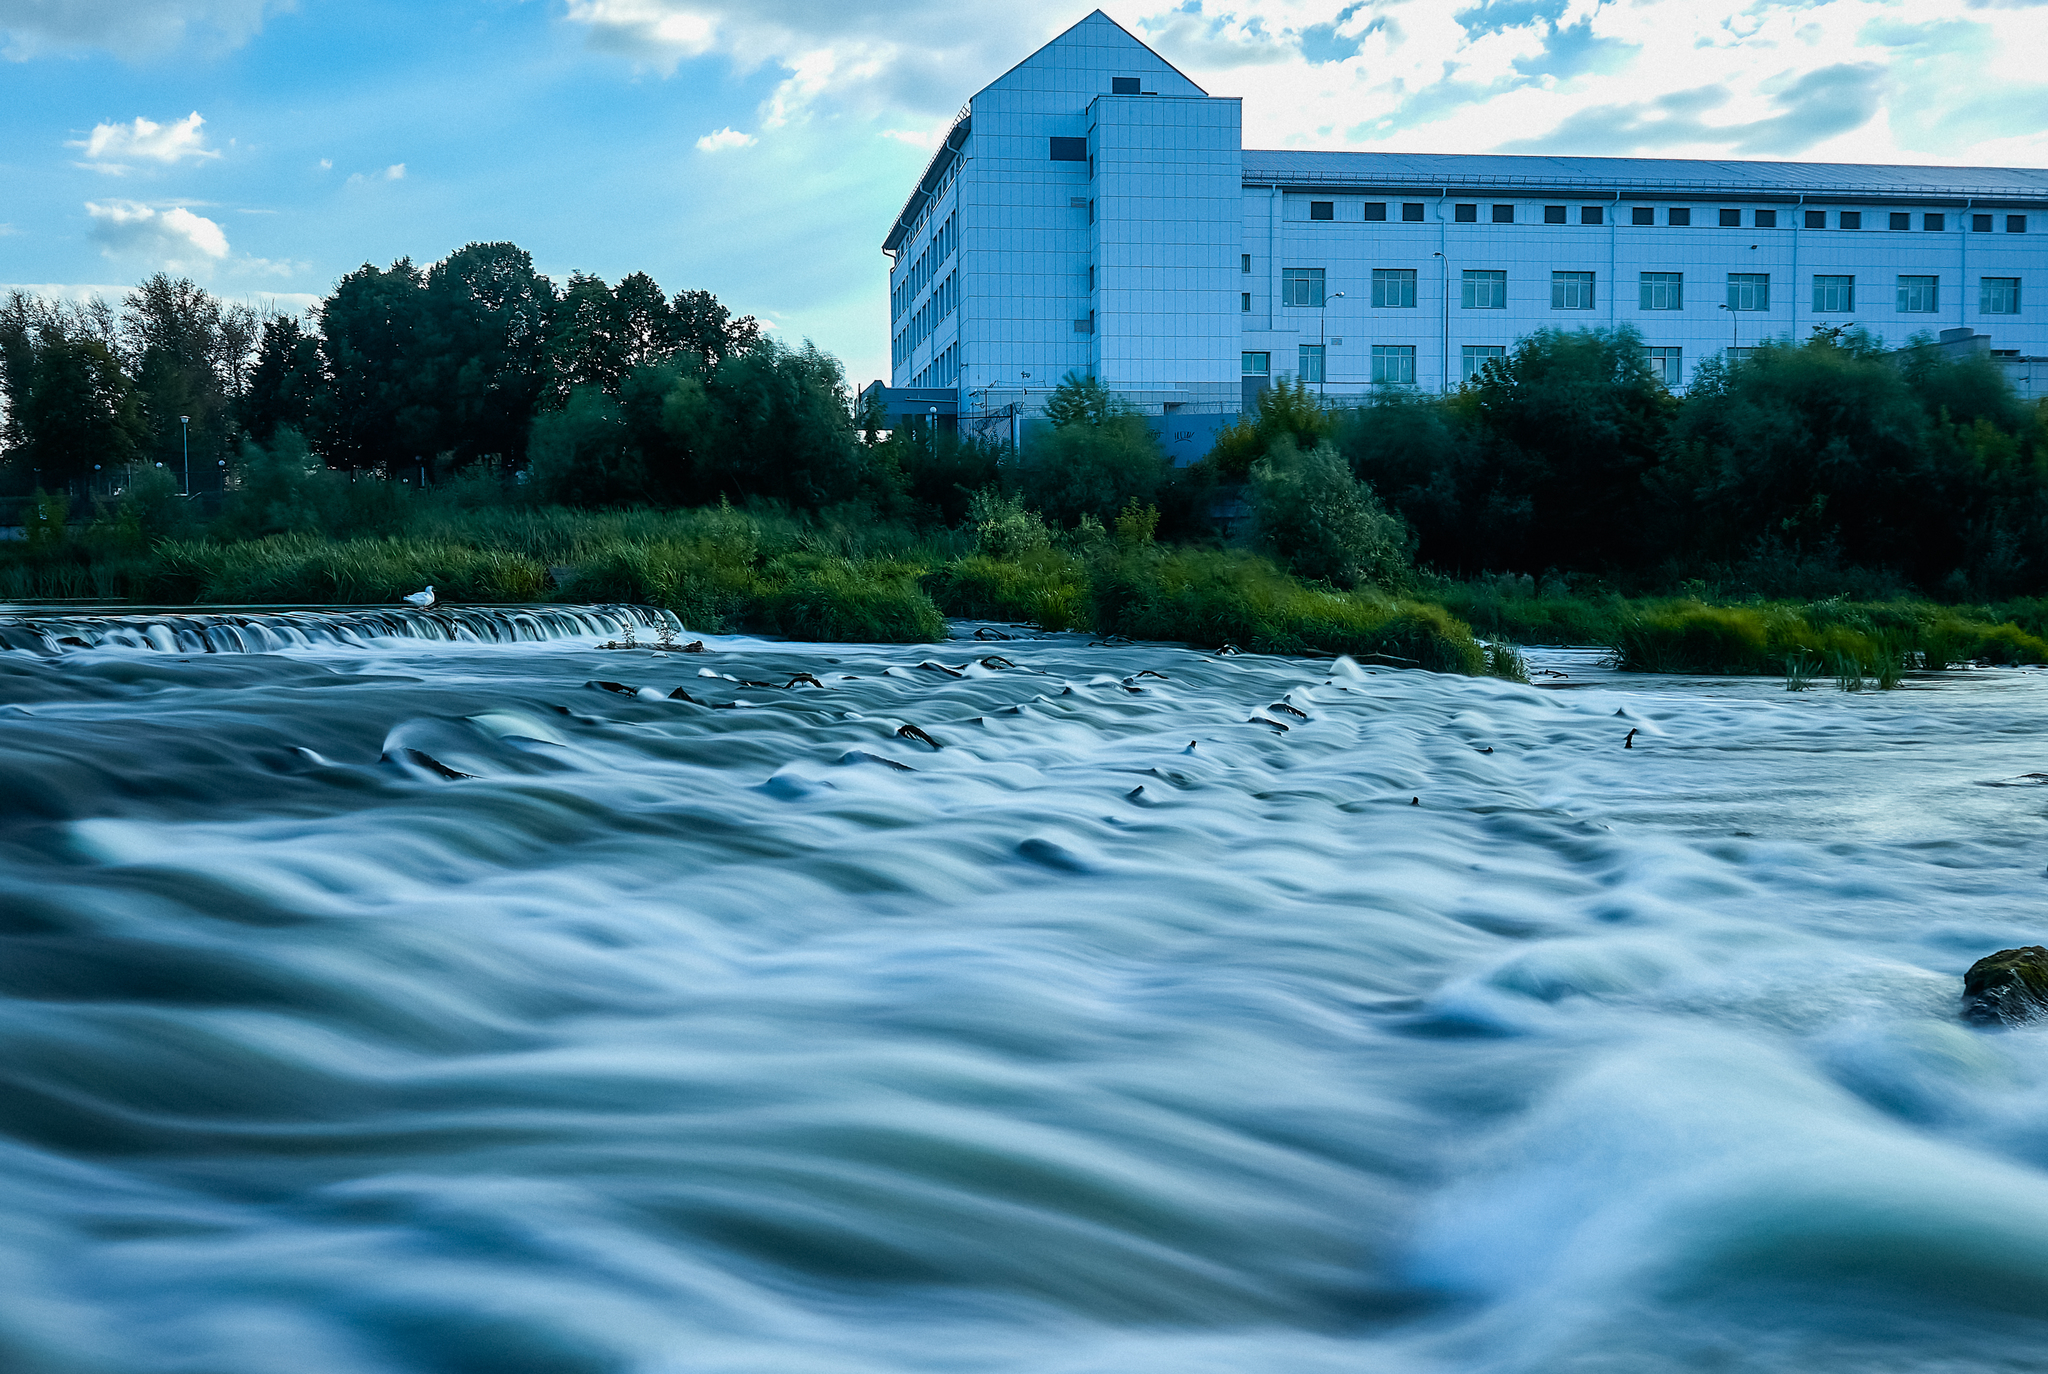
1322 344
935 433
185 429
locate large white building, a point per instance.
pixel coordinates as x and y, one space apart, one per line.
1094 211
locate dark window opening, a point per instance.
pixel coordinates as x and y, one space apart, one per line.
1322 209
1934 222
1980 224
1901 220
1767 219
1124 85
1852 219
1503 214
1069 150
1816 219
1643 214
1411 211
1553 214
1678 216
1591 214
1465 214
1375 211
2015 224
1731 219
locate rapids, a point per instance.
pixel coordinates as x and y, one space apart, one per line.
377 997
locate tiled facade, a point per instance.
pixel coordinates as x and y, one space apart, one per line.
1094 211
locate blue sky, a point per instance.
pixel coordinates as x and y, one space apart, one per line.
758 150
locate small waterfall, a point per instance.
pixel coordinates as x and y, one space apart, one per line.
238 631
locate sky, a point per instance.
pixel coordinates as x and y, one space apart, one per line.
759 149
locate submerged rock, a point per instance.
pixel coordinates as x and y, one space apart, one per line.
2009 987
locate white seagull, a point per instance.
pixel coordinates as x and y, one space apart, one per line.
422 599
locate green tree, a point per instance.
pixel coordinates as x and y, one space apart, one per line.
286 383
1323 522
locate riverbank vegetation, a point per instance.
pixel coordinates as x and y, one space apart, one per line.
1828 506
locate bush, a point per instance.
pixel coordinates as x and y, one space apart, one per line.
1045 586
1323 522
1004 526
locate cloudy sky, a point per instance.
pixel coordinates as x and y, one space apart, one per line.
759 148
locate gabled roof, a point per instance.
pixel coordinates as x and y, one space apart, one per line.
956 137
1646 177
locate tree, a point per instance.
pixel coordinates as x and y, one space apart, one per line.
286 383
190 355
372 336
78 410
1323 522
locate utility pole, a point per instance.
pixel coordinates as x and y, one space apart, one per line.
185 429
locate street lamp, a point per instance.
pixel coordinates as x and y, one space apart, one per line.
185 428
935 434
1322 344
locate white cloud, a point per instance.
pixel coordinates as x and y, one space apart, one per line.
326 164
727 137
173 239
395 172
127 28
116 147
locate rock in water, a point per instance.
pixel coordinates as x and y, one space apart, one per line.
2009 987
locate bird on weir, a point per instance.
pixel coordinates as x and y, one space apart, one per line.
421 599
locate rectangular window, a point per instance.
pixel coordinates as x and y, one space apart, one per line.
1834 295
1937 223
1663 290
1737 356
1375 211
1473 358
1749 291
2015 224
1244 263
1322 209
1767 219
1091 276
1678 215
1643 214
1980 224
1091 167
1816 219
1553 214
1901 220
1393 288
1919 295
1244 302
1571 290
1998 296
1465 214
1731 219
1666 365
1394 364
1503 214
1125 85
1412 211
1301 286
1257 364
1484 290
1091 212
1069 150
1311 362
1851 219
1592 214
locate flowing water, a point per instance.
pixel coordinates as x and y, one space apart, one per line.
378 994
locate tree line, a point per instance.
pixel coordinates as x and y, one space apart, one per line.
441 366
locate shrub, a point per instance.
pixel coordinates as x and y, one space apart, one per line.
1323 522
1005 527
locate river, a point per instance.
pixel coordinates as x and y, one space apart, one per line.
385 996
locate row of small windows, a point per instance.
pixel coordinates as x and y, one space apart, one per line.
944 298
925 267
943 370
1393 288
1394 364
1674 215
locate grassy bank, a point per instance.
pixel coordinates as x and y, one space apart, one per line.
723 570
1688 635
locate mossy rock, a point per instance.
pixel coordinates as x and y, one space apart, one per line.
2008 987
